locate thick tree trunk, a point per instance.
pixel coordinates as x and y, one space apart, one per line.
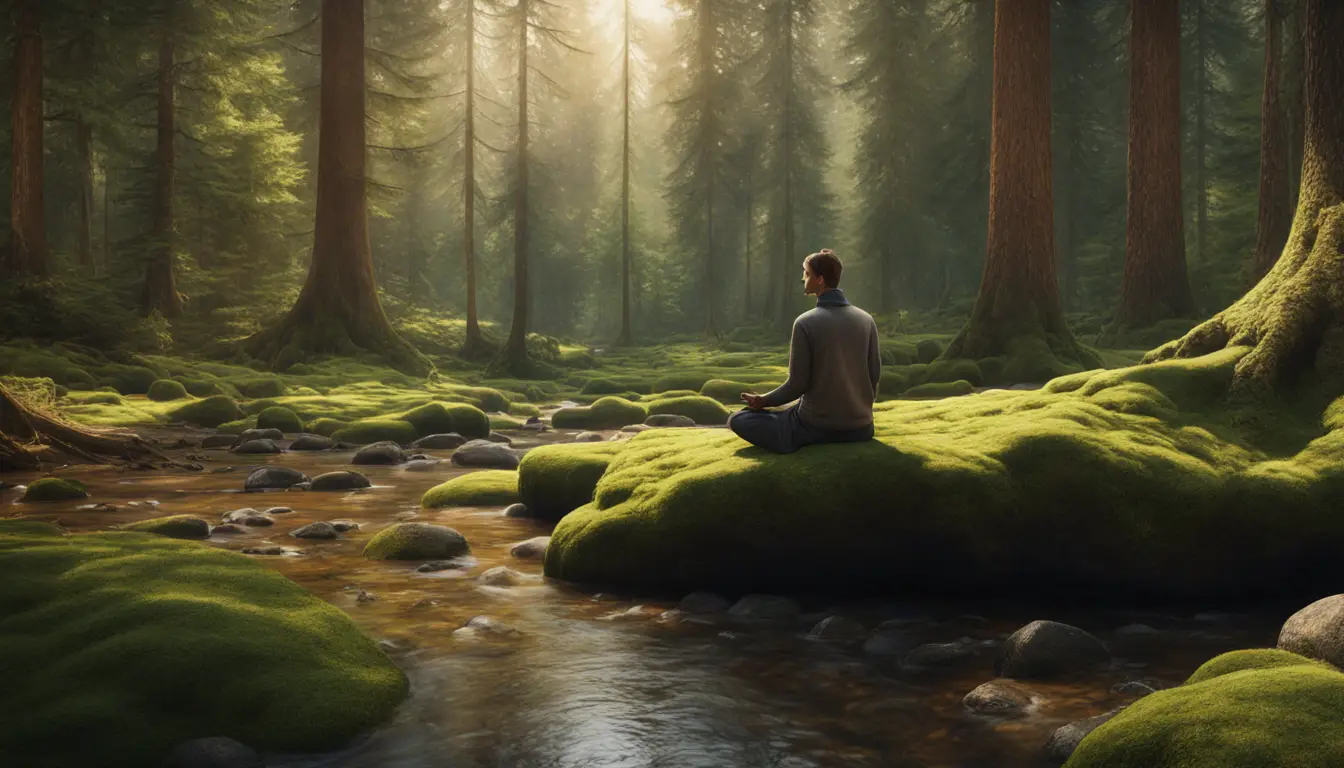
1293 319
84 202
746 253
28 226
107 218
514 354
160 289
1294 92
627 336
1155 284
1019 295
338 310
1201 130
1275 215
472 344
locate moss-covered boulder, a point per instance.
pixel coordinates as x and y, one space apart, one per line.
54 489
554 480
281 418
928 350
940 389
702 410
486 488
437 418
127 635
416 541
128 379
327 427
376 431
681 380
1251 710
174 527
164 390
730 392
261 386
1107 482
210 412
606 413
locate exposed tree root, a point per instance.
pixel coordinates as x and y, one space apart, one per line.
29 437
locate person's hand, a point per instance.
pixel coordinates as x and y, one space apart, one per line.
753 401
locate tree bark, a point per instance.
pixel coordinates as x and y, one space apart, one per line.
514 354
1155 285
1293 319
1275 215
338 310
28 226
790 255
1019 295
472 344
627 337
1294 89
160 289
709 291
84 203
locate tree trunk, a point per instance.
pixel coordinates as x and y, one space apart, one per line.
1019 295
709 291
84 203
1155 284
338 310
746 256
1275 216
1293 319
626 337
1201 131
472 344
514 354
107 218
28 226
1294 89
160 289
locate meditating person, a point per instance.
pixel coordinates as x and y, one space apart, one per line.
834 367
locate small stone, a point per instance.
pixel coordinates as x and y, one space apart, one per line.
517 510
669 420
273 478
249 517
213 752
434 566
259 434
1316 631
499 437
423 465
837 629
365 597
264 551
1046 649
228 529
484 625
311 443
342 526
531 549
385 453
317 530
766 607
343 480
445 441
588 437
483 453
258 447
500 576
703 602
277 511
1000 697
1066 739
939 655
218 441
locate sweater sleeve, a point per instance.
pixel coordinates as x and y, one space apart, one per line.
800 371
874 358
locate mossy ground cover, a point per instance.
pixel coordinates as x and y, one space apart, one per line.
1245 709
486 488
142 641
1105 481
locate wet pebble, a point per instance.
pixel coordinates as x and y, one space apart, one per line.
277 511
269 433
365 597
310 443
485 626
1066 739
1000 697
249 517
385 453
229 529
444 441
423 465
589 437
318 530
342 526
273 478
517 510
434 566
501 576
483 453
532 549
499 437
258 447
1048 649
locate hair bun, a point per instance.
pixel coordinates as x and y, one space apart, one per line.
826 252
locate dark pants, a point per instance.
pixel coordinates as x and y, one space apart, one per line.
784 432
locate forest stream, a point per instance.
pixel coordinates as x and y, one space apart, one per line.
583 679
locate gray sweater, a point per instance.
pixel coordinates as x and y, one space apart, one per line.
834 366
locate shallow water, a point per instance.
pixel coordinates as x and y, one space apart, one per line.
592 680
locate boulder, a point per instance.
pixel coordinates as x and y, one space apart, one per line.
273 478
1317 631
213 752
342 526
483 453
385 453
218 441
54 489
249 517
532 549
499 437
444 441
1000 697
669 420
342 480
416 541
935 655
175 527
517 510
1066 738
311 443
703 602
318 530
765 607
252 447
270 433
1047 649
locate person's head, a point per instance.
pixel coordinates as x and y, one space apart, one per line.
821 272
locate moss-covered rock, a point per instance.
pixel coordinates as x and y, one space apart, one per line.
281 418
498 421
200 387
175 527
1261 709
438 418
239 426
940 389
261 386
730 392
124 634
164 390
703 410
210 412
128 379
1254 658
606 413
682 380
928 350
486 488
554 480
416 541
54 489
376 431
327 427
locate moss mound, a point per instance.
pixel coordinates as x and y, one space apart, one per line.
124 634
690 380
1256 658
174 527
504 422
941 389
701 410
327 427
1111 482
164 390
238 426
487 488
376 431
928 350
438 418
606 413
281 418
54 489
128 379
554 480
261 386
1268 713
416 541
210 412
730 392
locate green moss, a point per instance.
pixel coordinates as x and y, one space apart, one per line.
893 382
941 389
504 422
279 418
1265 714
199 387
175 527
928 350
261 386
210 412
525 410
164 390
702 410
128 379
54 489
486 488
968 492
239 426
438 418
1256 658
606 413
255 407
415 541
327 427
376 431
730 392
554 480
687 380
897 352
953 370
125 634
95 398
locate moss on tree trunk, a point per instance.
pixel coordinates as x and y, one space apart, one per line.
1293 319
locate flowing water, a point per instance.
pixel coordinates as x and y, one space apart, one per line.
591 680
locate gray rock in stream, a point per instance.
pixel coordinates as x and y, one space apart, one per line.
444 441
1066 739
485 626
213 752
424 465
385 453
532 549
500 576
1316 631
589 437
227 529
483 453
270 433
273 478
1048 649
1002 698
342 526
277 511
249 517
517 510
255 447
310 443
499 437
765 607
342 480
218 441
318 530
